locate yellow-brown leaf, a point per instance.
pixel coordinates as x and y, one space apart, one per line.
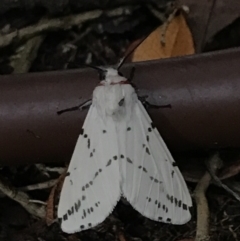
178 42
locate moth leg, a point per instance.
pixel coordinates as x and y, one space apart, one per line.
148 105
82 106
131 76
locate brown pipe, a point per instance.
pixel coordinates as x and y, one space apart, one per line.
204 91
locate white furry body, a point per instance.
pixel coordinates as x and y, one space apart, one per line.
120 152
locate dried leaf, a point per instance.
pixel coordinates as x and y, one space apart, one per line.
178 42
50 206
231 170
50 211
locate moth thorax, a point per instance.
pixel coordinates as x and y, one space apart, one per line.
113 77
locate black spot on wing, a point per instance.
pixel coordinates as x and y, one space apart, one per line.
121 102
147 137
65 217
88 144
129 160
115 158
71 211
96 174
122 156
176 201
184 206
104 131
172 173
82 131
91 154
149 129
153 126
82 227
109 163
89 225
67 174
169 220
149 199
83 197
129 128
71 182
147 151
156 180
159 218
174 164
85 135
77 205
142 168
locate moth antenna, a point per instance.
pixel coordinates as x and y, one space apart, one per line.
101 71
95 67
123 59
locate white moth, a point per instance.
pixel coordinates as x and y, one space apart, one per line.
120 152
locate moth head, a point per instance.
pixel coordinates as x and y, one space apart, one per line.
109 75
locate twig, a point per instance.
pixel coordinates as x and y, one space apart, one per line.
37 201
218 181
22 198
59 170
232 170
82 106
44 169
234 185
56 24
194 175
37 186
24 55
202 233
202 208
